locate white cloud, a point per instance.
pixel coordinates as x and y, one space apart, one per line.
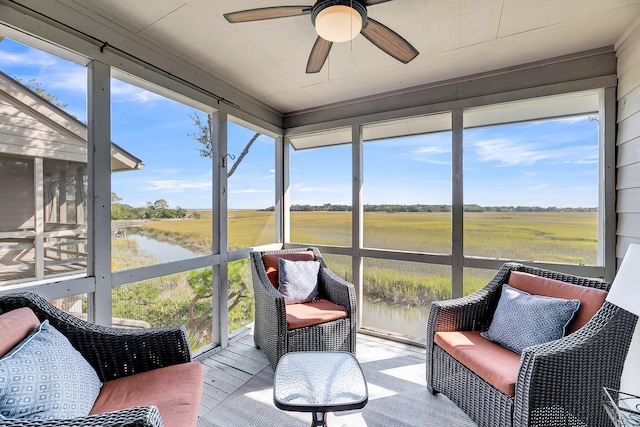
433 149
537 187
587 161
52 72
436 151
303 188
32 58
67 78
176 185
123 92
510 153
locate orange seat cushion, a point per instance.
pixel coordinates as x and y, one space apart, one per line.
313 313
591 299
175 390
493 363
270 262
15 326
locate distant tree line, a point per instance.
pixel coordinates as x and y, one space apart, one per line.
392 208
156 210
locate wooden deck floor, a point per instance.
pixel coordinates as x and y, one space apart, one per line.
229 369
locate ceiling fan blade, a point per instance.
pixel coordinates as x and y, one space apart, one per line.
389 41
318 56
372 2
266 13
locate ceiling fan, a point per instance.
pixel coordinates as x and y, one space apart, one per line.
335 21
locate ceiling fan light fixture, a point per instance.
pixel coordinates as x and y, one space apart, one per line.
338 21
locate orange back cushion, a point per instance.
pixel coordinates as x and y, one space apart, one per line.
271 263
591 299
15 325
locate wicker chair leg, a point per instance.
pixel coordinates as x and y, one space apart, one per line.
432 390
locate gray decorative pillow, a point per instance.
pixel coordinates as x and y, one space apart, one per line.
45 378
522 320
298 280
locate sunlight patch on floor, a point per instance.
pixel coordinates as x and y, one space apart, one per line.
377 392
413 373
263 396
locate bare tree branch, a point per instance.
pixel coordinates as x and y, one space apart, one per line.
244 153
203 136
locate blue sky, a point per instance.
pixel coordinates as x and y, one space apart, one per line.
551 163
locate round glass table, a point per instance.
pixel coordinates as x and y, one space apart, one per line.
319 382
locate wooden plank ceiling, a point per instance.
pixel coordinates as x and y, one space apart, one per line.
455 38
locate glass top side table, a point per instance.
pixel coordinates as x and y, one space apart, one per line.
621 407
319 382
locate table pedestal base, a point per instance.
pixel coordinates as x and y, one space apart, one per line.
319 419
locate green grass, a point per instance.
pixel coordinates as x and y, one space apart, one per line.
565 237
163 301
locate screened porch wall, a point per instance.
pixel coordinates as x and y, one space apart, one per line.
594 69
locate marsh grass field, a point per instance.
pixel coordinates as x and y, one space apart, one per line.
566 237
397 290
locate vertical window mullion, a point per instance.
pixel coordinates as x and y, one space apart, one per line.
457 205
607 220
357 216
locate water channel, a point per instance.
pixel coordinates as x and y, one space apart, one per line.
379 315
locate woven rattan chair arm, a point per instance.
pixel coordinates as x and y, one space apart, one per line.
571 371
270 306
267 296
113 352
139 416
270 332
338 290
472 312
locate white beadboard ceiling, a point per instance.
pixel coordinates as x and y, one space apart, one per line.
455 38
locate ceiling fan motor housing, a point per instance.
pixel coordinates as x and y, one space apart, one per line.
357 5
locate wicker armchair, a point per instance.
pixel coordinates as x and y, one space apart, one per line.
271 333
559 383
113 353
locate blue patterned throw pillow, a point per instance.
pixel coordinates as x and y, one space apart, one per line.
45 378
522 320
298 280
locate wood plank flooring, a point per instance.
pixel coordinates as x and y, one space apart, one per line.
229 369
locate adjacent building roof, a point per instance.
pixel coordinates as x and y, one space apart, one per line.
31 126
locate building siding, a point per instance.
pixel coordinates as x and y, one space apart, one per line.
24 133
628 142
16 194
628 174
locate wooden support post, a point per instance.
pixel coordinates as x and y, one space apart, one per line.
220 297
62 196
283 228
38 216
99 191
